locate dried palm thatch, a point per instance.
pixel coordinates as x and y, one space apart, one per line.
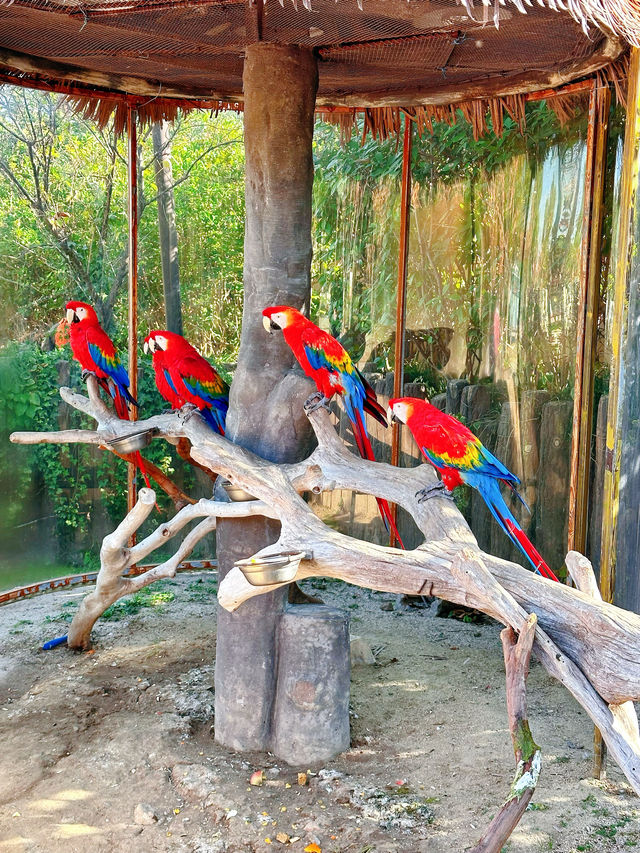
618 16
101 110
379 122
386 122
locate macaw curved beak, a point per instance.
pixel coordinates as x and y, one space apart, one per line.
146 346
72 317
391 418
269 326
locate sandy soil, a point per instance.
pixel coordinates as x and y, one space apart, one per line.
112 750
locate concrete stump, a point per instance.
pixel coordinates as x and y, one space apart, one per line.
530 420
415 389
475 403
311 714
440 402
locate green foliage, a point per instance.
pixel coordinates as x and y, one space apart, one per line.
154 596
210 221
203 589
77 482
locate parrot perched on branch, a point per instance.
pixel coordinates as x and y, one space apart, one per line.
184 376
460 457
93 349
326 361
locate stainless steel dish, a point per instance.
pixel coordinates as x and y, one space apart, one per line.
236 493
132 442
274 568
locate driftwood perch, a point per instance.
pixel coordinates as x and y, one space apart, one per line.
517 653
591 647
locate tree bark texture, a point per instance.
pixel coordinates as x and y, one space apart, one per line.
265 413
517 654
167 231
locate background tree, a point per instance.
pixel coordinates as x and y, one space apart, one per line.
167 231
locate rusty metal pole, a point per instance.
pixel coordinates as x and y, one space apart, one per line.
132 174
401 298
590 273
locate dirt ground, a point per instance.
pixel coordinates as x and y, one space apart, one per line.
113 750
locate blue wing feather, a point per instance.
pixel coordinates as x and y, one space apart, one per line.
114 368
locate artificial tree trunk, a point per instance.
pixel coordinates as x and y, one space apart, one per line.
265 413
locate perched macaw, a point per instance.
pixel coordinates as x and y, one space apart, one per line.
184 376
460 457
327 362
93 349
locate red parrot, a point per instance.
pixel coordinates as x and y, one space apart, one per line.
93 349
184 376
326 361
460 457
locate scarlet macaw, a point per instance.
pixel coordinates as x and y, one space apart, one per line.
93 349
460 457
327 362
184 376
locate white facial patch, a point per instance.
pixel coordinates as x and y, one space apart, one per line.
400 410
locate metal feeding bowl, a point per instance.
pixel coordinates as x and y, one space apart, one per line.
274 568
236 493
132 442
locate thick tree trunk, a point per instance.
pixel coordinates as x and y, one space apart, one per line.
167 231
266 413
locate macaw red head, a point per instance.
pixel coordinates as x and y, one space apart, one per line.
402 408
160 340
80 312
279 317
152 345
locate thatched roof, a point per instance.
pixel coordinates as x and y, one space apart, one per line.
382 55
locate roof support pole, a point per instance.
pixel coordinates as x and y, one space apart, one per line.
266 413
620 510
401 298
132 175
590 272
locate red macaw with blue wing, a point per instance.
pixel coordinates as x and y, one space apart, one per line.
94 350
184 376
460 457
327 362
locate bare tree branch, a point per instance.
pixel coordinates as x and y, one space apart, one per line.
600 665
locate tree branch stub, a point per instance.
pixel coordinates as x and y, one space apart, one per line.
517 653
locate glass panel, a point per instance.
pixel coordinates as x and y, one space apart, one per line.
627 349
491 312
354 283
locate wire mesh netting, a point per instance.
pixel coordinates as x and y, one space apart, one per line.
197 47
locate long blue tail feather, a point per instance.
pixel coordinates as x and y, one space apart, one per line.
489 488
